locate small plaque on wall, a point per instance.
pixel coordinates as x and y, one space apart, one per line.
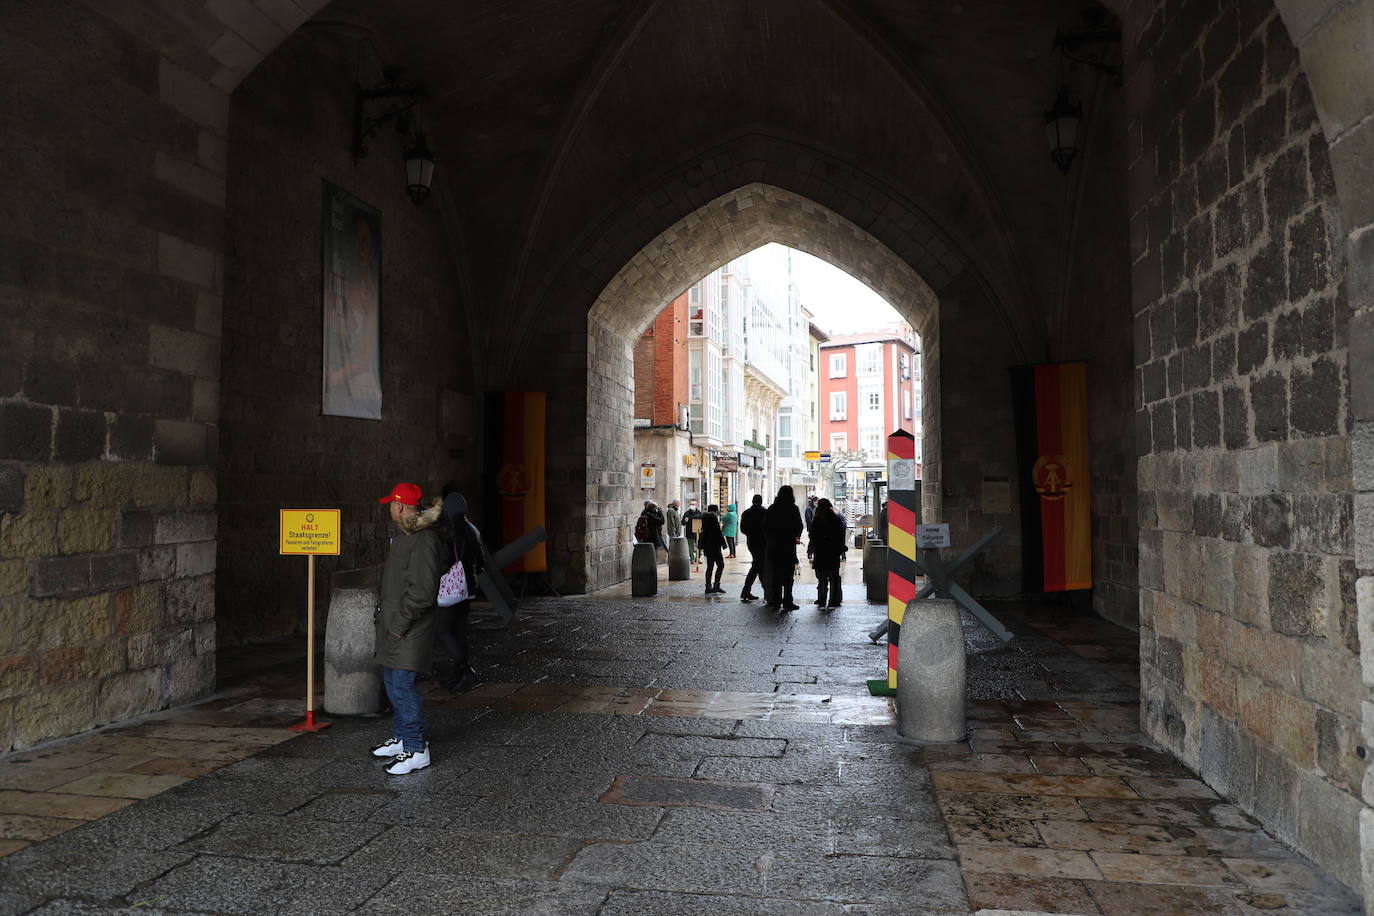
997 495
458 413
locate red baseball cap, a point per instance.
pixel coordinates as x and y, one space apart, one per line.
407 494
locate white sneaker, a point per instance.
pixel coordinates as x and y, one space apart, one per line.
392 747
409 762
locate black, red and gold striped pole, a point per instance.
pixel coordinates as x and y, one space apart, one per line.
901 539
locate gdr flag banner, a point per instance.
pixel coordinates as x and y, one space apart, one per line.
1051 408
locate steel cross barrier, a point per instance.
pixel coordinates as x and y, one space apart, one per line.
940 583
493 580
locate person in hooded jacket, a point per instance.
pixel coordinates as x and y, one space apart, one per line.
729 526
826 549
751 526
712 543
782 525
407 622
462 544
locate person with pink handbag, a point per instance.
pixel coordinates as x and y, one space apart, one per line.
457 587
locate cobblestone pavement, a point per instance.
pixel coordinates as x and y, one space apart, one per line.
675 754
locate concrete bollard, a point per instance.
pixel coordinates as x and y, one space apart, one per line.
875 571
644 570
352 680
931 675
679 560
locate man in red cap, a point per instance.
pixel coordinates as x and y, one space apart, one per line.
407 623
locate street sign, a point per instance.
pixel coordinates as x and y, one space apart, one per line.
930 536
310 532
647 475
825 457
811 456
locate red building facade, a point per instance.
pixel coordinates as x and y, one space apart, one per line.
870 386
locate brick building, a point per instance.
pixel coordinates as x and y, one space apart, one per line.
870 387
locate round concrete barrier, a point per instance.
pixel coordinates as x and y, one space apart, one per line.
352 680
644 570
679 560
931 673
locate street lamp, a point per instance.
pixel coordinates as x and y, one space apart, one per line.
1061 129
419 169
398 98
1089 46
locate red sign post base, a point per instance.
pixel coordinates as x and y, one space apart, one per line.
309 725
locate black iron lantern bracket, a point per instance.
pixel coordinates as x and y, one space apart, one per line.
1077 45
399 97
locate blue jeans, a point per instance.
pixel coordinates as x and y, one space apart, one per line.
409 709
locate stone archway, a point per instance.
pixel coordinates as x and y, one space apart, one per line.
726 228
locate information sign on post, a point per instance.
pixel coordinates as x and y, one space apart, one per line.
647 476
932 536
309 533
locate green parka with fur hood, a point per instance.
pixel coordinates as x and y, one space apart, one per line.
407 621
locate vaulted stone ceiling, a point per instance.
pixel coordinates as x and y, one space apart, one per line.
548 116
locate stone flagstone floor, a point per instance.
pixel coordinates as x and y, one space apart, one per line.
676 754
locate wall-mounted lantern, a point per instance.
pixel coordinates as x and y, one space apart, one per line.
397 98
1088 46
1061 129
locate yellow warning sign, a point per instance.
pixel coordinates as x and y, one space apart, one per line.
310 531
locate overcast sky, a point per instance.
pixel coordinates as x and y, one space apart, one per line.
841 304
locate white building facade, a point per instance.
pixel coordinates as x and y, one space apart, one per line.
749 354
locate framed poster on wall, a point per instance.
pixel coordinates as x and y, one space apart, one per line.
351 249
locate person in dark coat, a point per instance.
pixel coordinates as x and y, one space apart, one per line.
654 515
782 525
826 549
462 544
751 526
407 622
712 543
882 523
691 527
810 511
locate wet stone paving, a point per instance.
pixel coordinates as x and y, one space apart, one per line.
665 755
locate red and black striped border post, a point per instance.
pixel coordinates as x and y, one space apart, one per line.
901 539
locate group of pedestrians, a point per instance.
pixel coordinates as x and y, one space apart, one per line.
771 535
659 526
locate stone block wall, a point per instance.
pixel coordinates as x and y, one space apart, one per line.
1249 649
976 437
111 179
277 449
